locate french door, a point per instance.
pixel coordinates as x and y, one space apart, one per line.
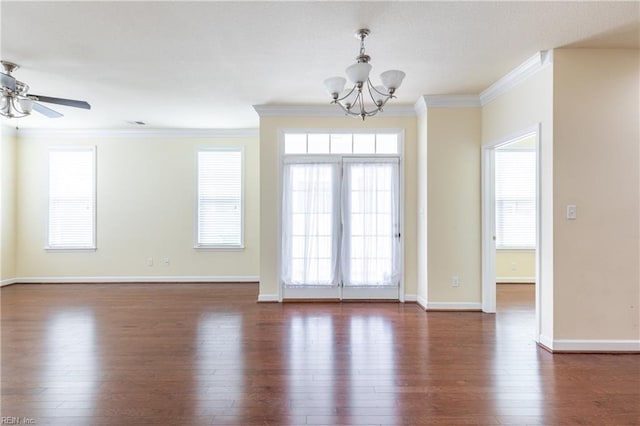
341 233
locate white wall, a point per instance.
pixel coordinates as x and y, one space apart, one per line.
596 154
270 189
7 205
146 187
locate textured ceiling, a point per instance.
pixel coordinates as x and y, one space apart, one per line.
204 64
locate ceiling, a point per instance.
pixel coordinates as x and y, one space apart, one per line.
204 64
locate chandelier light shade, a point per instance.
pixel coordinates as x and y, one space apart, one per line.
363 99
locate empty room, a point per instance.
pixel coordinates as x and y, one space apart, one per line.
319 213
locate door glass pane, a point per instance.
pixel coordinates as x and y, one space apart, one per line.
309 223
370 248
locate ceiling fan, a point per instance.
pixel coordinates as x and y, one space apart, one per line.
16 102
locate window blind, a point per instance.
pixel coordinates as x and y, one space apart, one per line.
220 209
515 173
72 198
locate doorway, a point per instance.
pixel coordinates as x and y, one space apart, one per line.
340 217
511 216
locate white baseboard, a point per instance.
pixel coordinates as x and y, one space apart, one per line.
575 345
546 341
137 279
410 298
454 306
8 281
268 298
422 302
516 280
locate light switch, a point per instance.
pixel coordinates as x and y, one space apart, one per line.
571 212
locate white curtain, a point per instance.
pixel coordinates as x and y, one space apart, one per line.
371 232
310 206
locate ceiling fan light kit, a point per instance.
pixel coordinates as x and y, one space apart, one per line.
357 100
17 102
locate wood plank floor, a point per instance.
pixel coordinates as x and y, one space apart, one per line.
192 354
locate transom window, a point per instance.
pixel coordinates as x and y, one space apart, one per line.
341 143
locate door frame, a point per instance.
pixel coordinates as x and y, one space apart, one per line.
488 221
280 161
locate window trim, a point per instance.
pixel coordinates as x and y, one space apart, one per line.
94 234
196 223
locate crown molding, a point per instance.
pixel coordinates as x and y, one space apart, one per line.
7 131
445 101
420 107
153 133
452 101
519 74
324 111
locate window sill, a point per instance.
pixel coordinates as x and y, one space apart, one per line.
218 248
70 249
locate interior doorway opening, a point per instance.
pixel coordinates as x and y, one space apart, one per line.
511 220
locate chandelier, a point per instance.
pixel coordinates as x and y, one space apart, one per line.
363 99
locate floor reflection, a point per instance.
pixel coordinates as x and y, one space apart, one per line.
372 366
311 364
71 351
517 367
341 368
219 359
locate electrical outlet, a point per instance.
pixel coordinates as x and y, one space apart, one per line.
149 261
166 262
514 266
455 281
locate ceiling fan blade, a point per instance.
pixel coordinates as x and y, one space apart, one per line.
8 82
46 111
61 101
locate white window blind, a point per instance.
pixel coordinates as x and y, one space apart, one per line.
515 172
220 210
72 198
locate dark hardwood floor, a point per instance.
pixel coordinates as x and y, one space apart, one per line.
192 354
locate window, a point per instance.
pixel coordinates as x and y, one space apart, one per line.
219 204
341 143
72 198
515 198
